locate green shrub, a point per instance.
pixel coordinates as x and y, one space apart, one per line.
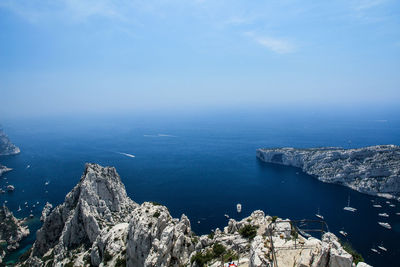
248 231
155 203
357 257
218 250
274 218
156 214
202 259
211 235
120 262
107 256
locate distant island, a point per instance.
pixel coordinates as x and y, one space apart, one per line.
373 170
99 225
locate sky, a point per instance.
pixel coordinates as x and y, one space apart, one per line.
88 56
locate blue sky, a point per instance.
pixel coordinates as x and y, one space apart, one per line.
77 56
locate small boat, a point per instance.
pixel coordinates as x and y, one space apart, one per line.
374 250
10 188
19 208
319 215
226 215
5 201
28 166
31 215
198 221
377 206
33 206
386 225
397 213
46 183
388 202
348 208
343 233
239 207
26 203
382 248
37 202
383 214
392 205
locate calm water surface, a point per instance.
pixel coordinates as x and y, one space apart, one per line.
202 166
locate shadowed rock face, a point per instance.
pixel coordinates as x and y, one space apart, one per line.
11 231
372 170
99 225
6 147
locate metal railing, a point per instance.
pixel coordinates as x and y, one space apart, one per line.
295 230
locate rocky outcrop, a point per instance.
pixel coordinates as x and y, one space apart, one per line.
46 211
372 170
12 231
99 225
4 169
6 147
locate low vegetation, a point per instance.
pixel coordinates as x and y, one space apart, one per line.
248 231
357 257
217 251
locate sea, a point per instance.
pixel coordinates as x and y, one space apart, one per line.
204 164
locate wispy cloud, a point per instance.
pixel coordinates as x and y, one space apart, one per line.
276 45
367 4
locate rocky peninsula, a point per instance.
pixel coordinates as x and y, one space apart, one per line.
6 147
373 170
12 231
99 225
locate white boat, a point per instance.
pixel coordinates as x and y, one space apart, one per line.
343 233
377 206
397 213
348 208
10 188
386 225
46 183
388 202
383 214
19 208
239 207
226 215
392 205
374 250
26 203
382 248
28 166
319 215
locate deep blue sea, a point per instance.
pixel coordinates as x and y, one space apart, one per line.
203 165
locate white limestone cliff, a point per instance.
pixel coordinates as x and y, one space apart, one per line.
99 225
372 170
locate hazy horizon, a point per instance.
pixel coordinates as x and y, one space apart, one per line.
97 57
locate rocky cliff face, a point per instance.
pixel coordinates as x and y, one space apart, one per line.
6 147
99 225
372 170
4 169
12 231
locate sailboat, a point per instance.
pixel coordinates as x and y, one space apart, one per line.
383 214
319 215
348 208
377 206
19 208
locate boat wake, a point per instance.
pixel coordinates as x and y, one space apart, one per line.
126 154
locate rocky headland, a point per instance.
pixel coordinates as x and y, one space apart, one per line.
6 147
12 231
373 170
99 225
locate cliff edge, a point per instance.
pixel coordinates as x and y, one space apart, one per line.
373 170
99 225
